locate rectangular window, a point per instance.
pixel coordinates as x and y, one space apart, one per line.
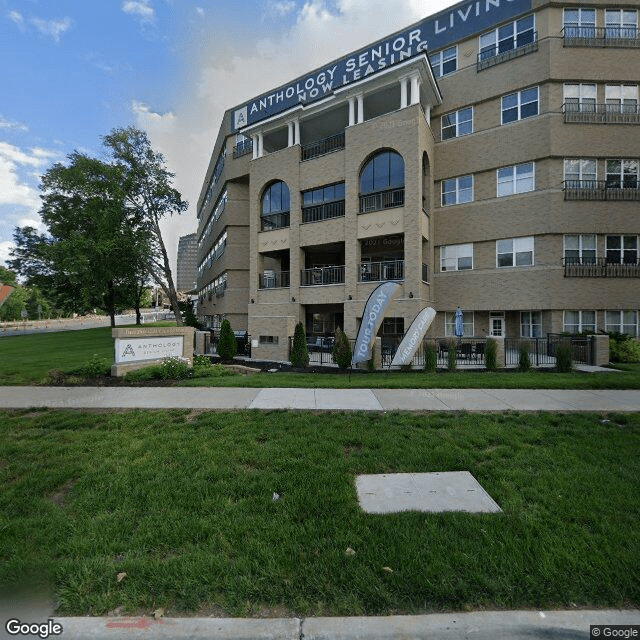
456 124
514 252
623 174
579 171
444 62
520 105
579 23
268 339
456 257
625 321
579 321
507 37
621 98
580 249
580 98
457 190
320 195
530 324
393 327
622 249
450 323
519 178
621 23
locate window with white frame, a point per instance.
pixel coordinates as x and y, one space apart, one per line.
580 97
520 105
579 23
514 252
579 172
622 249
519 178
456 124
456 257
530 324
580 249
623 174
444 62
450 323
621 98
457 190
579 321
623 321
512 35
621 23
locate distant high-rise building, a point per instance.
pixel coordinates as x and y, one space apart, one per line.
187 257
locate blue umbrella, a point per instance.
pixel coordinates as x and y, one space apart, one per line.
459 323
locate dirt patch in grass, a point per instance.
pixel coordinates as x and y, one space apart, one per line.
59 496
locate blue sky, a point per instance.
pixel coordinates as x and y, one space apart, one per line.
72 70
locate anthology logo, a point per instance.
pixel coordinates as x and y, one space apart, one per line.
41 629
128 351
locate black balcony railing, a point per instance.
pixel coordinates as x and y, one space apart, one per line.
587 267
319 276
324 211
491 56
322 147
624 37
242 148
601 113
274 221
377 271
274 279
382 200
220 289
612 190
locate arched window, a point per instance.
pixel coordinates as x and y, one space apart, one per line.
382 182
275 206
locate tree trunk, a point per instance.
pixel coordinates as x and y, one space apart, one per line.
139 291
111 302
169 287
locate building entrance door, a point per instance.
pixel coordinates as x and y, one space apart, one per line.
496 325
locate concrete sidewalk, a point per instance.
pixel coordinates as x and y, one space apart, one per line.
233 398
481 625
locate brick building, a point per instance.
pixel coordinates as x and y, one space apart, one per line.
487 157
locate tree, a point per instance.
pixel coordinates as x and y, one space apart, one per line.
342 350
227 344
299 352
148 191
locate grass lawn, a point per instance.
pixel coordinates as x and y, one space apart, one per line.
28 359
182 503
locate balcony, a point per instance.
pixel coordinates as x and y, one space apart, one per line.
582 267
325 211
322 276
601 113
322 147
242 148
274 221
220 289
620 37
380 271
492 56
274 279
611 190
382 200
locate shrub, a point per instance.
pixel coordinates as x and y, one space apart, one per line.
152 372
430 359
491 355
174 369
564 357
342 350
96 367
202 361
623 348
227 344
371 362
213 371
452 355
55 376
299 352
525 360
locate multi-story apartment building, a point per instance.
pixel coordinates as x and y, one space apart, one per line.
487 157
186 262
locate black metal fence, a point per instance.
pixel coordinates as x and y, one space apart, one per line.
322 147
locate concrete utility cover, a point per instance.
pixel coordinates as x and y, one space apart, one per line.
431 492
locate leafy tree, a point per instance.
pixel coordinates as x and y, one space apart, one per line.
148 191
341 349
227 344
8 277
299 352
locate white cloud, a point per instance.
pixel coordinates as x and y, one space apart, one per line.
147 118
53 28
10 124
281 8
141 8
16 17
200 11
5 247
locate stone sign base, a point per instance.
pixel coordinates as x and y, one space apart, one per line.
137 347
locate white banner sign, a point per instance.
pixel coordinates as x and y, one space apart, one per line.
134 349
413 337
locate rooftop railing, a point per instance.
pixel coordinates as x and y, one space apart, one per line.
612 190
242 148
588 267
601 113
321 147
382 200
491 56
324 211
320 276
621 37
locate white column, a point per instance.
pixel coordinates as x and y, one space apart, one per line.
290 141
403 92
256 143
415 89
296 132
352 111
260 145
427 114
360 99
